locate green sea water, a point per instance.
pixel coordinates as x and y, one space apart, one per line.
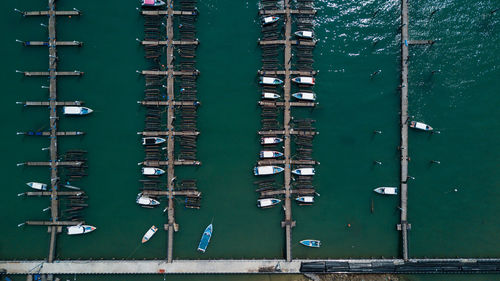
460 100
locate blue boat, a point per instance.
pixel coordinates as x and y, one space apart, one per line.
311 243
205 239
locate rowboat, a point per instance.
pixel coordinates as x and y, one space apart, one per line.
267 170
149 234
37 185
269 20
152 3
304 80
311 243
152 140
270 154
304 34
304 171
270 81
271 96
305 199
420 126
267 202
305 96
77 110
80 229
386 190
205 239
146 201
150 171
270 140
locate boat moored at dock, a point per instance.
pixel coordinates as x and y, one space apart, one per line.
152 3
37 185
270 81
386 190
265 154
80 229
304 34
305 96
304 171
269 20
205 238
271 96
305 199
153 140
304 80
146 201
267 202
149 234
150 171
76 110
311 243
267 170
270 140
420 126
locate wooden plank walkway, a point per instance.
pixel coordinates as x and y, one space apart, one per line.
58 43
282 42
48 134
54 223
292 132
53 163
287 11
282 72
292 103
51 13
174 193
165 103
156 163
164 42
53 73
169 72
50 193
48 103
166 133
282 162
165 12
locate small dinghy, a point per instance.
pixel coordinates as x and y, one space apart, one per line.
305 199
270 154
305 96
386 190
304 34
80 229
37 185
205 239
270 81
150 171
152 140
304 80
267 170
267 202
269 20
270 96
420 126
149 234
146 201
152 3
304 171
311 243
270 140
76 110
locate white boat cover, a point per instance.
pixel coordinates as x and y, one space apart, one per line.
304 171
267 154
37 185
389 190
306 80
268 19
421 126
307 33
265 170
80 229
143 200
72 110
266 202
268 95
307 96
149 171
306 199
268 80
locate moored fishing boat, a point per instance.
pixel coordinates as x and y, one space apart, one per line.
270 96
146 201
267 202
76 110
386 190
270 81
304 34
152 3
269 20
305 199
304 171
205 238
270 154
149 234
267 170
311 243
420 126
80 229
270 140
152 140
150 171
304 80
305 96
37 185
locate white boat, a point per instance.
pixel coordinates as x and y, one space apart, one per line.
150 171
305 96
386 190
152 3
304 171
271 96
270 140
420 126
304 80
77 110
80 229
146 201
304 34
37 185
267 170
269 20
267 202
149 234
152 140
265 154
305 199
270 81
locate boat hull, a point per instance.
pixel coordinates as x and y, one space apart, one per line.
149 234
311 243
80 229
205 238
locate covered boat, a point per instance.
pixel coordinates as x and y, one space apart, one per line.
152 140
152 3
270 81
205 239
304 171
305 199
37 185
149 234
150 171
311 243
146 201
269 20
304 34
267 202
305 96
270 154
420 126
270 140
304 80
267 170
386 190
271 96
77 110
80 229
